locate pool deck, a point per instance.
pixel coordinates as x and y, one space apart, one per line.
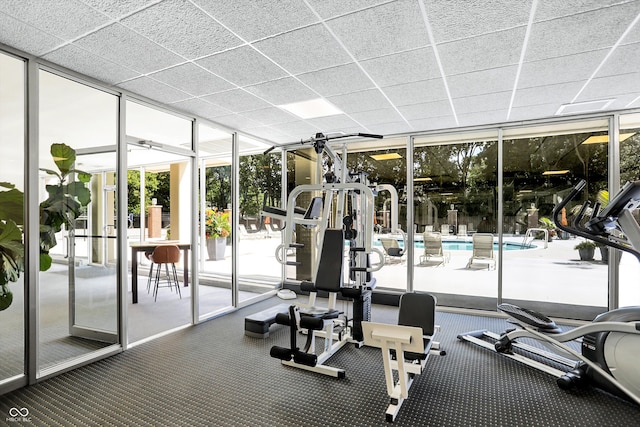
552 274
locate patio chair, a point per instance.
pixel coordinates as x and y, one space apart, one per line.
392 250
433 249
483 250
444 229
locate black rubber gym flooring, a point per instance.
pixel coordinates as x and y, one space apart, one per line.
213 375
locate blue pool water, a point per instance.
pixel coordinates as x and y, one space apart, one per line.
468 246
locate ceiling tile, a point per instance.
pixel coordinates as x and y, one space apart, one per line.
242 66
416 92
269 116
140 54
333 123
25 37
579 33
481 82
283 91
479 103
610 87
390 128
118 8
623 60
201 108
365 100
269 134
183 28
382 30
153 89
441 122
386 115
330 8
550 10
483 52
235 121
303 50
253 20
236 100
482 118
337 80
192 79
405 67
561 93
559 70
454 20
534 111
426 110
67 19
300 128
80 60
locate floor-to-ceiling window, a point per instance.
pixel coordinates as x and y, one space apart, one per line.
215 263
456 201
77 292
540 166
629 137
386 168
12 125
260 185
160 158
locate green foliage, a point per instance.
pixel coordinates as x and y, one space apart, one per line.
11 252
216 224
587 244
133 190
66 200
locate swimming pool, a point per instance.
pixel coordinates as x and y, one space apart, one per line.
453 245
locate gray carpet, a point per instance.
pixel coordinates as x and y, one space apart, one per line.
212 374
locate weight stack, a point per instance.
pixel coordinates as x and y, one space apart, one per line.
361 313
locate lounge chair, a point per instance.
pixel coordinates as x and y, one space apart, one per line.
483 250
433 249
392 250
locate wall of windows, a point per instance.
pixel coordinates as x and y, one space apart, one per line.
453 186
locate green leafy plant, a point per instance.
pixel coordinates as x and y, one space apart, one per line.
11 245
216 224
66 201
587 244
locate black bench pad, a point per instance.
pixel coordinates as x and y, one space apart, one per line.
257 325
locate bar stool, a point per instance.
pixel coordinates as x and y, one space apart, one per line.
166 254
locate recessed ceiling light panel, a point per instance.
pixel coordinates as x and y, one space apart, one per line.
312 108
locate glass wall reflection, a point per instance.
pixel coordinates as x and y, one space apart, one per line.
12 127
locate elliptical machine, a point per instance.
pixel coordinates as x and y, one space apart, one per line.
611 343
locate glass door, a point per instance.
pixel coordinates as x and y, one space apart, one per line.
77 292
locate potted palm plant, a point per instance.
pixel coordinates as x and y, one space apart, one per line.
217 229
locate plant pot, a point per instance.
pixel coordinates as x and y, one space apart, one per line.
604 253
586 254
216 248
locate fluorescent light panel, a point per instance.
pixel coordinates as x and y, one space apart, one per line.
312 108
422 179
558 172
599 139
386 156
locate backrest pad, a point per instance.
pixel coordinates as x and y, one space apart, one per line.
419 310
329 275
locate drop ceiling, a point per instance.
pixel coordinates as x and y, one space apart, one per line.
391 67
